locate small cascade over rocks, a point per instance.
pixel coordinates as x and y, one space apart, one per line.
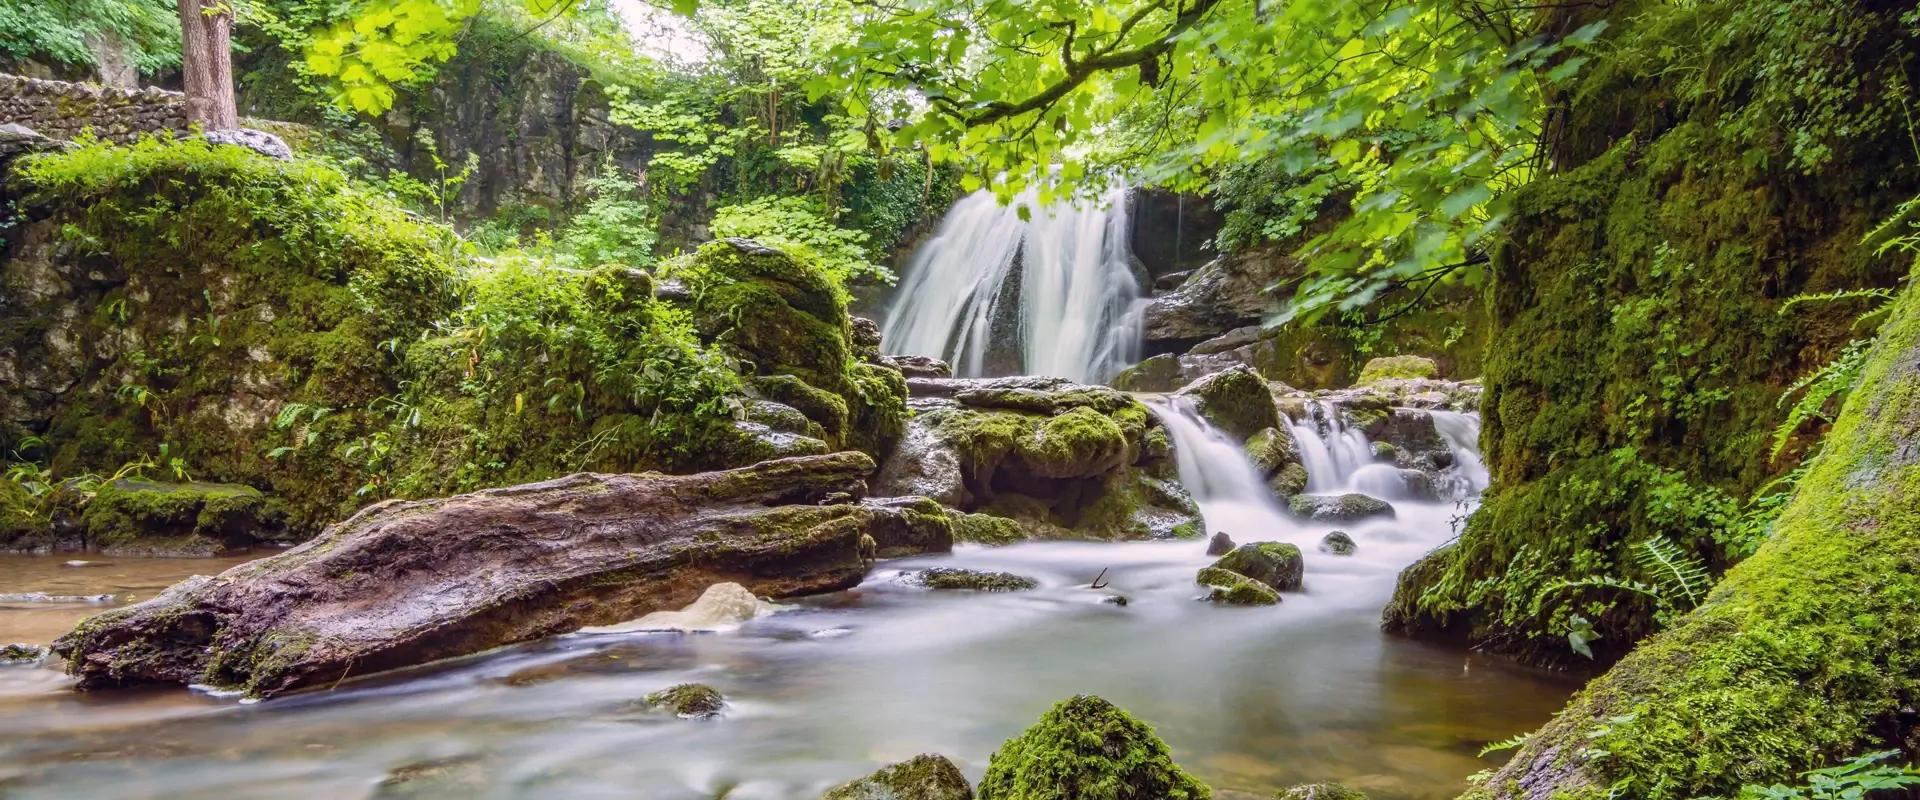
1057 288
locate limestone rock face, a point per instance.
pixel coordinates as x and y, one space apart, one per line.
404 583
923 777
1227 293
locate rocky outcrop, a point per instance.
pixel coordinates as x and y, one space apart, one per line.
1227 293
923 777
1058 459
1236 401
404 583
146 518
1276 564
1087 742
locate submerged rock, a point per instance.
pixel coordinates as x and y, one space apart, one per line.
689 701
1219 545
1337 543
21 653
1341 508
1321 791
445 777
1236 401
923 777
404 583
1276 564
1086 748
1234 588
978 580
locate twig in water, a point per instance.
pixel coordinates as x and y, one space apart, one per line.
1096 579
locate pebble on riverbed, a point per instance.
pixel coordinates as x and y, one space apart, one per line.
689 701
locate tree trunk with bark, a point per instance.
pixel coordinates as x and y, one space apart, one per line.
206 64
1805 655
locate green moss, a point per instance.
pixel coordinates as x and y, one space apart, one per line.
145 518
1078 443
1234 588
977 580
986 529
1236 401
1191 529
1276 564
1321 791
1272 449
923 777
1392 367
689 700
1086 748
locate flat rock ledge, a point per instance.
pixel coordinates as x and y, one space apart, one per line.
408 582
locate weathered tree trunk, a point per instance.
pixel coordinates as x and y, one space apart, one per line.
404 583
1806 654
206 64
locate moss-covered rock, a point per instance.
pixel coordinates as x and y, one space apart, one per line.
1272 450
1086 748
985 529
1337 543
1321 791
923 777
1351 507
22 653
1236 401
689 701
1233 588
1289 480
976 580
1402 367
1276 564
145 518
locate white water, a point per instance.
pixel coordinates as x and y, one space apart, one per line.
1232 495
1332 451
1469 476
1078 315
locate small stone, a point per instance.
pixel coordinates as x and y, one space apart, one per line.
21 653
261 142
1320 791
977 580
689 700
1338 543
1219 545
1391 367
923 777
1115 600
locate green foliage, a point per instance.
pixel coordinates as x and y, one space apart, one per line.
1850 781
796 225
60 30
1085 748
1505 744
616 227
386 43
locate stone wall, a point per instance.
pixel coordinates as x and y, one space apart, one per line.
63 110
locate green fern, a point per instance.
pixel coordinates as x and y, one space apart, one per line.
1506 744
1681 577
1831 381
1839 294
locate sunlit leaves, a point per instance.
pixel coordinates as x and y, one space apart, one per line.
388 42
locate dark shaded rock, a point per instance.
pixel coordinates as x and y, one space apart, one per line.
923 777
1115 600
1289 480
1227 293
404 583
1342 508
1276 564
919 366
909 526
689 701
1082 748
865 338
1236 401
1233 588
977 580
1337 543
1416 443
1219 545
1320 791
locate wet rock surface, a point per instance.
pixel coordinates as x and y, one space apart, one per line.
404 583
1349 507
976 580
923 777
688 701
1087 742
1236 401
1321 791
1337 543
1276 564
1219 545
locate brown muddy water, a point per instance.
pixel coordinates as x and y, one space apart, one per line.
827 689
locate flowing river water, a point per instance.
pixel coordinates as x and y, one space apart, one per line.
829 688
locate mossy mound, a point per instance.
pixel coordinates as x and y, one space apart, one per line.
1337 543
22 653
1233 588
1398 367
923 777
1236 401
1086 748
689 701
1276 564
972 579
1350 507
132 518
985 529
1271 449
1321 791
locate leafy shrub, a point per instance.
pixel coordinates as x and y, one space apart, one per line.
797 225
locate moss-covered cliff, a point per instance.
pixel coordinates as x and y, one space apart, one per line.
1640 340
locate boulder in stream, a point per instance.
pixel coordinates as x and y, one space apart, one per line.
1219 545
689 701
923 777
1350 507
21 653
977 580
1337 543
1321 791
1087 747
1235 589
407 582
1276 564
1236 401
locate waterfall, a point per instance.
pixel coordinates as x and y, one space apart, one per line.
1078 315
1331 450
1232 494
1468 477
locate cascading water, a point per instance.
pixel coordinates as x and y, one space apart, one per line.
1077 315
1331 450
1232 496
1469 476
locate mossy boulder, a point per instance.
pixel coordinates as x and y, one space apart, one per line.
1219 545
923 777
1271 450
1161 373
1350 507
1321 791
689 701
1087 748
1276 564
1398 367
1236 401
985 529
1289 480
147 518
973 579
1337 543
1233 588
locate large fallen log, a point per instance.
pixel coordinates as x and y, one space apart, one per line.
1805 654
404 583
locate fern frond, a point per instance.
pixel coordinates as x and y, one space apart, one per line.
1506 744
1838 294
1834 379
1604 582
1678 573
